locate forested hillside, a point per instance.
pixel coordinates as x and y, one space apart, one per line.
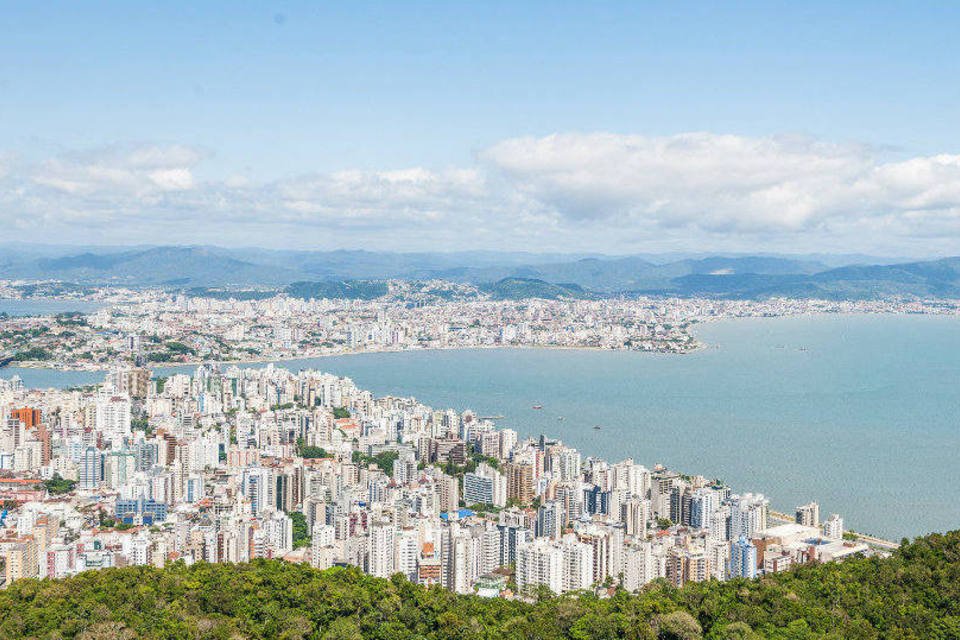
913 595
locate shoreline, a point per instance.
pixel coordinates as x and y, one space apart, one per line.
41 366
830 324
698 345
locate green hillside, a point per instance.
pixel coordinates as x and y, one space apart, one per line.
521 288
914 595
353 290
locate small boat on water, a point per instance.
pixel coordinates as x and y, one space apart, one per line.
560 418
597 427
538 406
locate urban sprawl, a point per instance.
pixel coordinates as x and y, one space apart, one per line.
160 327
232 464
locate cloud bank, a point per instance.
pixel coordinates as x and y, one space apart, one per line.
574 191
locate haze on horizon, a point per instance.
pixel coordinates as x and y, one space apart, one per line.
616 129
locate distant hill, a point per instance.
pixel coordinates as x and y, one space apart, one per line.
613 275
507 275
914 594
520 288
934 279
199 266
351 290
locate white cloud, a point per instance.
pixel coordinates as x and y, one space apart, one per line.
595 191
721 183
120 172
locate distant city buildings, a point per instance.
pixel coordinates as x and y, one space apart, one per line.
145 326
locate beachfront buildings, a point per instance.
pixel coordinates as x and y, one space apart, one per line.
231 464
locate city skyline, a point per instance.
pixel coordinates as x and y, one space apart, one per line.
764 128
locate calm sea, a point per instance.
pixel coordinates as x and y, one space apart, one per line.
861 413
45 306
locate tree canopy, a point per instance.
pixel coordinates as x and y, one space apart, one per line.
913 595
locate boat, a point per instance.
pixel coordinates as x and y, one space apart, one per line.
597 427
538 406
560 418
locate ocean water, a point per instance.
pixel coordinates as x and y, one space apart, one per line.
860 413
45 306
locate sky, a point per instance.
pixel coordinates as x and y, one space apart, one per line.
602 127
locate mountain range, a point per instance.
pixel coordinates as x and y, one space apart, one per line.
504 274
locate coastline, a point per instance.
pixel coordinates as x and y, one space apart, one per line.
698 345
652 406
42 365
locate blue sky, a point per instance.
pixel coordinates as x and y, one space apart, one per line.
398 125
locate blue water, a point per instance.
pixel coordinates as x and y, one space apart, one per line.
861 413
45 306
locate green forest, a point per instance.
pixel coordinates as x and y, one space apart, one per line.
915 594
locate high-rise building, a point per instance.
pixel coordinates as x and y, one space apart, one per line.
27 415
448 492
833 527
381 550
91 468
635 514
550 520
703 504
486 485
687 565
661 486
540 563
406 553
748 515
743 559
520 485
137 382
808 515
514 532
638 566
577 564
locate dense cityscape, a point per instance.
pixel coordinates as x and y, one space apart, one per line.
159 326
479 321
229 465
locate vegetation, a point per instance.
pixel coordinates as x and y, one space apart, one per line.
384 460
349 289
230 294
33 353
520 288
70 319
57 485
341 412
141 423
180 348
301 537
914 595
174 351
305 451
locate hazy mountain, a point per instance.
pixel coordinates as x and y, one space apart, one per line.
936 278
611 275
155 266
505 274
